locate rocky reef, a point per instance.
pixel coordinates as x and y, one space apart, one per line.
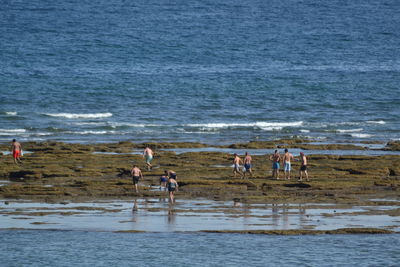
56 171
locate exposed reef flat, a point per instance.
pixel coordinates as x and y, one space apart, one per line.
56 171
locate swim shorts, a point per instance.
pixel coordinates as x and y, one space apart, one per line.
135 179
16 154
287 167
303 168
275 165
172 175
163 179
149 159
247 166
171 189
236 167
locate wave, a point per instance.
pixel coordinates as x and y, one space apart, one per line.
376 122
349 130
304 131
254 124
11 113
12 131
360 135
91 132
80 116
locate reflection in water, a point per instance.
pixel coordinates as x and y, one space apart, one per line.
275 214
192 215
171 214
302 216
135 206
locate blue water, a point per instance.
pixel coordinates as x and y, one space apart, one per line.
209 71
72 248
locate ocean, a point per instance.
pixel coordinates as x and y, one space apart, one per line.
76 248
203 71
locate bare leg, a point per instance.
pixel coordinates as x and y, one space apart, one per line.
136 188
171 196
306 173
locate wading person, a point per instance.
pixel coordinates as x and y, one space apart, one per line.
247 165
287 158
164 180
275 158
171 174
136 176
172 186
16 150
148 156
303 168
236 165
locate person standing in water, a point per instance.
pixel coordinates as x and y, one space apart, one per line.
148 156
136 176
164 180
247 165
16 150
276 158
236 165
303 168
172 186
287 157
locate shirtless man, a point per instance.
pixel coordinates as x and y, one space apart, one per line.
303 168
276 158
247 165
16 150
236 165
287 157
148 156
136 176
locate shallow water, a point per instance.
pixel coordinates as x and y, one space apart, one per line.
295 151
77 248
157 215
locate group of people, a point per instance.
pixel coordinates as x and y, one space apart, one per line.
276 159
167 181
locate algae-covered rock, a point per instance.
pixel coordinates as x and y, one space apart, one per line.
393 146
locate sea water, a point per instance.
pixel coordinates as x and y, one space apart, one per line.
76 248
209 71
216 72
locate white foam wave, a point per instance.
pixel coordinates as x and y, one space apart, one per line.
92 132
90 123
12 131
377 122
11 113
359 135
272 128
80 116
266 125
304 131
349 130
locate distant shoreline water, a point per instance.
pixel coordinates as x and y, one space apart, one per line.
210 72
102 127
